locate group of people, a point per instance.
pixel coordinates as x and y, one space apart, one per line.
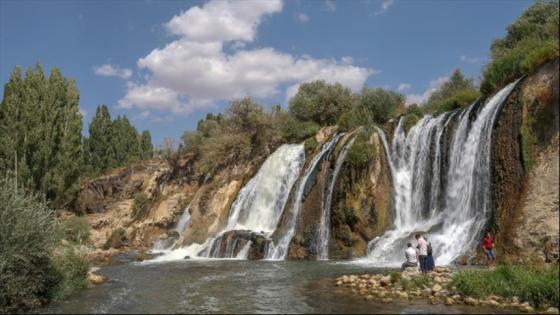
422 255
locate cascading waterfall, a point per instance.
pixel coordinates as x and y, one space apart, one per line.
453 216
257 208
279 250
260 202
325 226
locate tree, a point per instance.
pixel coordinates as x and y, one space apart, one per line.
100 153
457 91
321 102
146 147
12 128
379 104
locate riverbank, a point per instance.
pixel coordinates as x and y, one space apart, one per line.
473 287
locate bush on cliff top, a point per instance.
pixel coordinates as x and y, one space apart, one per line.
531 41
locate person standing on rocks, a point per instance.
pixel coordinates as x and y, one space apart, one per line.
488 247
411 256
430 264
422 252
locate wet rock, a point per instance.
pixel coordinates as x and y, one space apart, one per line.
493 302
95 279
471 301
552 310
187 257
385 281
527 309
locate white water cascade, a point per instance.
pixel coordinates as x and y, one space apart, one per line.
451 206
257 208
279 250
325 226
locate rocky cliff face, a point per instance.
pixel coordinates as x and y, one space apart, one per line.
525 174
525 169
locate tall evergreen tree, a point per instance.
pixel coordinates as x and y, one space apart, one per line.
146 146
100 155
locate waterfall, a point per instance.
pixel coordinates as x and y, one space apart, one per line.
279 250
183 221
163 245
325 227
452 216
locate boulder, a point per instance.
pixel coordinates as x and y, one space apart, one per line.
449 301
552 310
385 281
95 279
527 309
471 301
436 288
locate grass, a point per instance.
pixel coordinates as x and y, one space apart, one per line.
538 285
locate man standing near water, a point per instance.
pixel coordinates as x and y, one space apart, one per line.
422 252
488 247
411 256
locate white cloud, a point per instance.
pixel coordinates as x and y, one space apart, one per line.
113 71
404 86
471 60
422 98
330 5
384 6
195 71
223 20
302 17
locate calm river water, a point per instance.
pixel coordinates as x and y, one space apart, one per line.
227 286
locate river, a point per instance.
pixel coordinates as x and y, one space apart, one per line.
233 286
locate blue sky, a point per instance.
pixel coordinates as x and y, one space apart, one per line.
165 64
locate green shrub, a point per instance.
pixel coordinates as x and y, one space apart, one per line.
361 151
531 41
321 102
460 99
536 284
28 233
73 265
76 229
293 130
421 281
140 205
310 145
347 121
410 120
395 277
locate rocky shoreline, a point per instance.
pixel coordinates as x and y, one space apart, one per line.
435 287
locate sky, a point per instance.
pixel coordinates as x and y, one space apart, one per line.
165 64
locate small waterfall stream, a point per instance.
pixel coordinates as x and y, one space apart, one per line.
279 250
455 215
325 226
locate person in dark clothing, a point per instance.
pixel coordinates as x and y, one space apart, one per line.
430 264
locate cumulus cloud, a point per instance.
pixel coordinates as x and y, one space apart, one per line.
194 71
330 5
422 98
302 17
113 71
404 86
